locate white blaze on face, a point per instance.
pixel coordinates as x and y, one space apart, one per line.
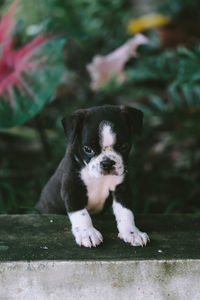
97 183
107 140
107 136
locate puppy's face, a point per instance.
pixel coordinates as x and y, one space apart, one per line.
105 146
102 138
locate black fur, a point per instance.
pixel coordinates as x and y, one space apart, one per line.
65 191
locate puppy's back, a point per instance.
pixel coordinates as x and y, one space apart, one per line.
50 199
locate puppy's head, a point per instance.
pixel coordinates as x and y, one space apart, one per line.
101 137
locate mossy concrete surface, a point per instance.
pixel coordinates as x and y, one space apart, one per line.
39 260
48 237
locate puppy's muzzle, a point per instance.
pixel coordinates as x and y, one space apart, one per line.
107 165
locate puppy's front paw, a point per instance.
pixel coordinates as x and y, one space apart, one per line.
87 237
134 236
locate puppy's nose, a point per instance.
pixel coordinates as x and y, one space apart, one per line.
107 164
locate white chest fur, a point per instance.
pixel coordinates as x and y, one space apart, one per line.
98 189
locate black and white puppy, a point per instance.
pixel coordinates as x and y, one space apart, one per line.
94 171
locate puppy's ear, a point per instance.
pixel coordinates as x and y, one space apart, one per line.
135 119
72 124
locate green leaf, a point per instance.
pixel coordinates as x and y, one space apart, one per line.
42 84
158 103
187 93
196 94
183 51
174 94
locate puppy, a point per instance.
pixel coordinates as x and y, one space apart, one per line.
94 171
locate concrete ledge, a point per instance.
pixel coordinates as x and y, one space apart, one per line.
39 260
97 280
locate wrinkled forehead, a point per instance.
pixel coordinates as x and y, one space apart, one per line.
107 135
105 132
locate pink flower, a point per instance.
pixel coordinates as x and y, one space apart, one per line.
15 63
103 68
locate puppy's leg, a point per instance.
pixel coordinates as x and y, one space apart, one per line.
75 199
126 226
83 230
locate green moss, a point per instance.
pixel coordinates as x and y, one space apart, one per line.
48 237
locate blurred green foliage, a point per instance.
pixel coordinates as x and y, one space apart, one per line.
180 9
164 83
170 79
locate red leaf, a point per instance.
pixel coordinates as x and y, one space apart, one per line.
7 22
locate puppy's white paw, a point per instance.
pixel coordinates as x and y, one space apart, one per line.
87 237
134 236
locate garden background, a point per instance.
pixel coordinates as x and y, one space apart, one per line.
57 56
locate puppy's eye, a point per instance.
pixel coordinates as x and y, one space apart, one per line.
123 147
88 150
